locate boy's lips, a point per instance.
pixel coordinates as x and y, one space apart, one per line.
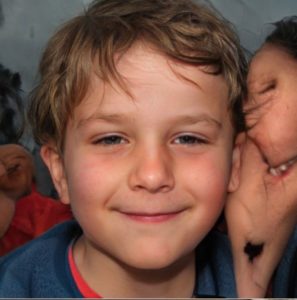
282 168
152 217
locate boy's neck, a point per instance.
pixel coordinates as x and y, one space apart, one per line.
111 279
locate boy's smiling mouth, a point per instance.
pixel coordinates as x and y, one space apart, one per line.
282 168
148 217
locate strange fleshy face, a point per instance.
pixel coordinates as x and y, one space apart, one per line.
18 164
16 176
272 106
147 173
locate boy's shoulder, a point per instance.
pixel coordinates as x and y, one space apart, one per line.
214 267
60 234
40 261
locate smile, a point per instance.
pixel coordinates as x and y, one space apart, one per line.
151 217
281 169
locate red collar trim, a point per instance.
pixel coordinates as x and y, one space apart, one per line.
82 286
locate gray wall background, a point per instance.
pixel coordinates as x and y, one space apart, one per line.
25 26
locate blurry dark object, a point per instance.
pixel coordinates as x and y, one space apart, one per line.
11 107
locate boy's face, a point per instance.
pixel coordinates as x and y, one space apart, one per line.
147 177
272 91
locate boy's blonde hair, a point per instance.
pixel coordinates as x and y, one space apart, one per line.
185 32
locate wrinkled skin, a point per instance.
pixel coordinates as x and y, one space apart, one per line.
16 175
263 210
256 213
272 104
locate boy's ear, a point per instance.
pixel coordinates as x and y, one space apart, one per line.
236 163
54 162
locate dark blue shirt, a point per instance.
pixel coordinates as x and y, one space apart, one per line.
40 269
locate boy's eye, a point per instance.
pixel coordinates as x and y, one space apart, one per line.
110 140
189 140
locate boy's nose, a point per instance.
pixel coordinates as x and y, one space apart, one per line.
152 171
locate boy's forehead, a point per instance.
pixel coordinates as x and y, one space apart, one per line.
143 68
143 61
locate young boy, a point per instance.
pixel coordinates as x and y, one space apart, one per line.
136 110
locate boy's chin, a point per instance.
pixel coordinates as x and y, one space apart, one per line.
157 258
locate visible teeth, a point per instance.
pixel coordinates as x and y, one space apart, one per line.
282 168
274 171
291 162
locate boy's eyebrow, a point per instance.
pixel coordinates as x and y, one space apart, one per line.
194 119
184 119
104 117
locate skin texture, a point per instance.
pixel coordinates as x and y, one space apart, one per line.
146 176
263 210
16 175
7 208
272 91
